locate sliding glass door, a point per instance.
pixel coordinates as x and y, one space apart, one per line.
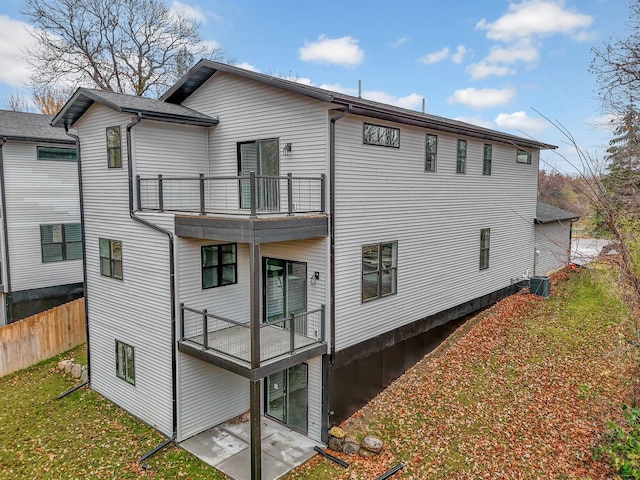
261 157
285 288
287 395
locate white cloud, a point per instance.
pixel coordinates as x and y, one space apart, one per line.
302 80
247 66
482 70
520 121
210 45
14 39
458 57
535 17
483 98
521 51
411 101
435 57
605 123
481 122
343 51
194 12
399 42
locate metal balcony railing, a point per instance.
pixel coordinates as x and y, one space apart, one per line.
236 195
232 338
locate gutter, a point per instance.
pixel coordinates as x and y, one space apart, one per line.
172 290
84 250
8 311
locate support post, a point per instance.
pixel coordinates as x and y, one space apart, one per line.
202 206
138 194
289 194
323 207
322 324
160 194
253 193
181 321
256 444
254 385
205 329
292 333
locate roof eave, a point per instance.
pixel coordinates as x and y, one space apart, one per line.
17 138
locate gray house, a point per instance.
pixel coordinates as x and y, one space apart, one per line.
41 242
254 243
553 238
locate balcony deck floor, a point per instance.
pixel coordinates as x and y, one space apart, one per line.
236 342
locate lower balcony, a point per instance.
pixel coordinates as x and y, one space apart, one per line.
227 343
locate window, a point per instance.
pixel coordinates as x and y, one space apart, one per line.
432 150
379 270
114 149
125 364
61 242
111 258
219 265
523 156
486 161
461 163
381 135
484 248
61 154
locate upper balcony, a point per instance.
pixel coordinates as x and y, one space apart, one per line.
250 208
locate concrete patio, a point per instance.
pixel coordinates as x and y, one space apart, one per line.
226 448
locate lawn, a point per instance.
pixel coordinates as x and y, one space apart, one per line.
80 436
523 391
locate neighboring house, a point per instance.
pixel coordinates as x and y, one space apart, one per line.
244 204
41 235
553 238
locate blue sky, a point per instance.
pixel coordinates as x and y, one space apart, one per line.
493 63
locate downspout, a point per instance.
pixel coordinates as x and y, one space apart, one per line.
332 225
84 250
326 363
172 292
8 309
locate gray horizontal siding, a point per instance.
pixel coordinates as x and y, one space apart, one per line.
210 395
249 110
38 192
135 310
552 246
384 194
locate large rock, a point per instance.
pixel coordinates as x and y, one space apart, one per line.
76 370
67 367
350 446
62 364
373 444
335 444
84 376
337 432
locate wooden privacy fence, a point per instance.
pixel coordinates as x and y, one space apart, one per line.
36 338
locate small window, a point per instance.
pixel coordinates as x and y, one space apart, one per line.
523 156
486 161
219 265
461 163
484 248
381 135
60 242
114 147
379 270
111 258
60 154
432 150
125 362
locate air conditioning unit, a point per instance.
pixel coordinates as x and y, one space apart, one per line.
540 286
